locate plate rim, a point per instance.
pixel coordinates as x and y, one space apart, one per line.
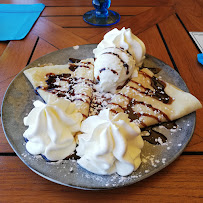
90 188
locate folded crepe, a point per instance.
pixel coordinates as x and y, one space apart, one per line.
149 100
72 82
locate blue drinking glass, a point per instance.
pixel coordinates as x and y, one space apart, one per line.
101 16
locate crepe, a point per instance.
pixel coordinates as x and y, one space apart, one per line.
72 81
149 100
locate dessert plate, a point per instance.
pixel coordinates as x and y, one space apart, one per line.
18 101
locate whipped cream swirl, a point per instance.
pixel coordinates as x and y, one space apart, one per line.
109 143
52 128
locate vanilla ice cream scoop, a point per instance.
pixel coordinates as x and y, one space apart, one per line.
126 40
52 128
117 57
109 143
113 66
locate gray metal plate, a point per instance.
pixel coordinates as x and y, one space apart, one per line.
18 102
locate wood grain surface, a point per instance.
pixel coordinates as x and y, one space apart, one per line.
75 11
3 46
141 22
14 58
56 35
181 47
163 25
89 3
175 183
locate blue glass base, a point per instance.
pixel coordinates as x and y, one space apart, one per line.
91 18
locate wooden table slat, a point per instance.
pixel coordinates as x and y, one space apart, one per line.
59 11
4 145
14 58
156 46
181 47
195 144
191 22
41 49
89 3
55 35
88 33
176 183
75 21
3 46
191 14
10 61
140 22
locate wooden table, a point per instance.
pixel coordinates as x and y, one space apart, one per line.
163 25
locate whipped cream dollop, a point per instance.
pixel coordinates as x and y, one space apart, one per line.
109 143
52 128
126 40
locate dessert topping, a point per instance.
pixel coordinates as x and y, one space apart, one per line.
51 129
109 144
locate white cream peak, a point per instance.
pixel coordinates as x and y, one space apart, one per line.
51 129
109 143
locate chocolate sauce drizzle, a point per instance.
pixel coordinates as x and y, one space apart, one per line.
154 136
121 49
121 86
159 86
136 115
54 88
124 64
74 60
170 125
112 70
98 78
158 93
73 67
73 156
153 70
